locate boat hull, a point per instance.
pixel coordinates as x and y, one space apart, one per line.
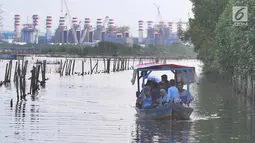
181 112
166 112
161 113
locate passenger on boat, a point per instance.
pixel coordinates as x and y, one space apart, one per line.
185 95
146 99
173 92
164 82
155 94
163 97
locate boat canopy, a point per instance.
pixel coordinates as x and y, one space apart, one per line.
160 67
186 74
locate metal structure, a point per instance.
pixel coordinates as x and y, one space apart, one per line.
158 10
70 20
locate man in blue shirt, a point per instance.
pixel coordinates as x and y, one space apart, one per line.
173 92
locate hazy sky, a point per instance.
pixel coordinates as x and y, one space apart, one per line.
124 12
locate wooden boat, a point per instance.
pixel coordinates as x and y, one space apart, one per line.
160 113
185 74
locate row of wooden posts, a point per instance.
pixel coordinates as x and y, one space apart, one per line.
119 64
19 78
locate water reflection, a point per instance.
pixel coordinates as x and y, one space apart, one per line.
19 122
34 119
161 131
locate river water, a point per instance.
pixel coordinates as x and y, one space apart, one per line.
100 108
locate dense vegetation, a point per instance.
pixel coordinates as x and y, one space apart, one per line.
177 49
222 47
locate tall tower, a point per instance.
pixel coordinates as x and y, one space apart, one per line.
111 26
49 28
99 29
77 30
35 27
62 31
62 22
150 33
140 29
99 23
17 29
75 21
89 35
87 23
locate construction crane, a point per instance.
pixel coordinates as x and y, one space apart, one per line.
70 20
158 10
160 18
106 19
84 35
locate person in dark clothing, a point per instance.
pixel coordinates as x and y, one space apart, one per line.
155 94
164 84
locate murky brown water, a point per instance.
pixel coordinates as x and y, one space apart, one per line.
99 108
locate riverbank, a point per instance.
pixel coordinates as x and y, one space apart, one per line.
177 49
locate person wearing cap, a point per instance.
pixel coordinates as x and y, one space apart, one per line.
185 95
163 97
173 92
164 83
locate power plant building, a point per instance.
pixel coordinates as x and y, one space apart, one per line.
28 33
83 32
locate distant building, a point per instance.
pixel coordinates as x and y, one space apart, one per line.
7 36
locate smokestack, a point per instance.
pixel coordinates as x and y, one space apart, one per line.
150 24
17 29
35 21
111 25
99 23
75 21
140 29
62 22
35 26
49 27
87 22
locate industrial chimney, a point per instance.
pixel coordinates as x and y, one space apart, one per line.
35 26
49 28
17 29
111 27
140 29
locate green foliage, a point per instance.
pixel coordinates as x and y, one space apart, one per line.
177 49
222 46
